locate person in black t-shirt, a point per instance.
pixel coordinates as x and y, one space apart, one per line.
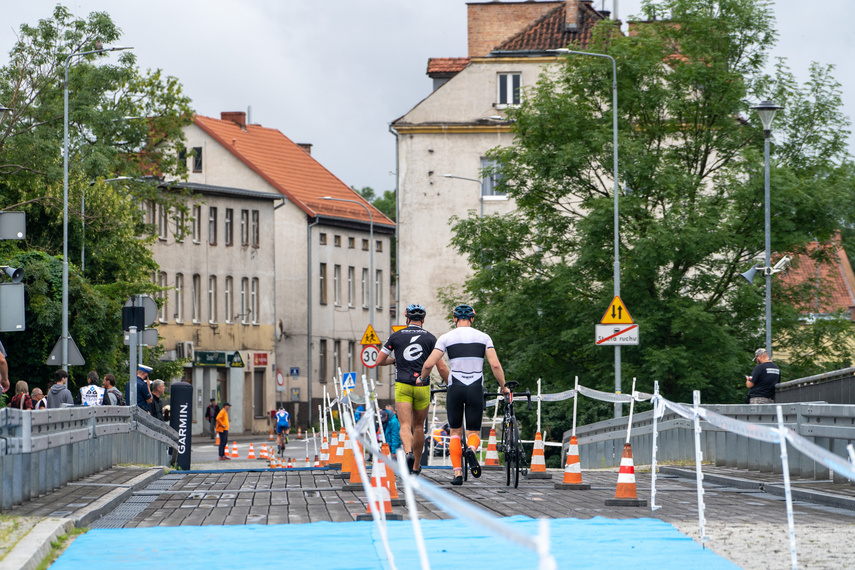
764 377
411 347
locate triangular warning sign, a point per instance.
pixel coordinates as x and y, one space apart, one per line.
74 356
370 337
617 314
396 328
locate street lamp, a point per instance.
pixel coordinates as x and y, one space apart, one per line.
766 110
371 275
83 220
480 183
64 337
618 405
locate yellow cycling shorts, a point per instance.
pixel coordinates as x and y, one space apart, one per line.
418 396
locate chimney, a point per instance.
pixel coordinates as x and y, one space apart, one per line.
491 23
237 117
571 14
307 147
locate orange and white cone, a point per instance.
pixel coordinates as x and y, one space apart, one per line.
381 492
626 494
346 455
234 451
217 443
538 463
290 463
317 462
325 452
251 454
271 436
308 461
355 481
492 459
263 453
572 469
299 432
333 461
397 501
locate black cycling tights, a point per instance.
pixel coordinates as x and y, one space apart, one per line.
469 398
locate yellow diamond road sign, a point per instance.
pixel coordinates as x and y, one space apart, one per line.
616 314
370 337
396 328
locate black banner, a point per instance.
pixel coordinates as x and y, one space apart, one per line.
181 420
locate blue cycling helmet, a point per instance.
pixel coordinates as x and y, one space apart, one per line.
464 312
415 312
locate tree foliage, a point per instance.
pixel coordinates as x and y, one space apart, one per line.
125 125
691 207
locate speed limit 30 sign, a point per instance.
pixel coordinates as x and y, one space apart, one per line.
369 355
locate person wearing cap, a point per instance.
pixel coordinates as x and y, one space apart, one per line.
143 393
223 430
764 377
211 415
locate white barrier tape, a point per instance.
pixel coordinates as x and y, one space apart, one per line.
739 427
604 396
552 443
838 464
565 395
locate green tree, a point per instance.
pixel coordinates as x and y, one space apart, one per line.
124 123
691 207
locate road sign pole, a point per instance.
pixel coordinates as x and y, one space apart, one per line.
132 381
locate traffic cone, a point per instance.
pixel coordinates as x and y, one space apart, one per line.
345 454
234 451
317 462
354 483
538 464
572 470
325 452
299 432
290 464
378 484
308 462
492 460
337 450
217 443
251 454
397 501
626 494
263 453
271 436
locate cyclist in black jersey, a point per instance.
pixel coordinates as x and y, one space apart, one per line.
408 349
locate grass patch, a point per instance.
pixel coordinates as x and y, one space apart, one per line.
58 546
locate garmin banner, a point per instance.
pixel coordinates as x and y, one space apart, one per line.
181 420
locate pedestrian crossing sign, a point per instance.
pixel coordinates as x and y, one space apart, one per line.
370 337
348 380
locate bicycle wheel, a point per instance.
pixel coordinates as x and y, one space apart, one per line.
517 456
507 429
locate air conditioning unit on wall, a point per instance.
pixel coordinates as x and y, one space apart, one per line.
185 350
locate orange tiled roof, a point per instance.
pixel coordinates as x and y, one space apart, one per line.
443 65
835 274
550 31
290 170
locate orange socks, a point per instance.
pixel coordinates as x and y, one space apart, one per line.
474 442
456 452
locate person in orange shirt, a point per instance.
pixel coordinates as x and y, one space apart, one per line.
223 430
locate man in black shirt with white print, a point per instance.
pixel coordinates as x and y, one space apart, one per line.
764 377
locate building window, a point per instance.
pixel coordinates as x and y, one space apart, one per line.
212 299
150 212
180 228
197 298
490 178
197 159
230 283
378 246
179 298
255 233
230 226
212 226
365 288
365 245
244 227
322 364
323 238
351 355
351 285
337 285
164 309
509 89
258 394
323 283
351 243
244 309
337 241
162 221
336 356
197 223
378 289
253 301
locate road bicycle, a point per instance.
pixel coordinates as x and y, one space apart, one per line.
463 459
511 444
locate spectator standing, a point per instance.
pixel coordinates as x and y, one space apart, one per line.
92 394
4 371
391 429
38 397
59 393
223 429
22 400
158 387
112 395
764 377
211 415
143 393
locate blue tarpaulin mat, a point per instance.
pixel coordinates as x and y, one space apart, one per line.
451 544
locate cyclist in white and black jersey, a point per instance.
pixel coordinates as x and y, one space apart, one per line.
408 349
466 348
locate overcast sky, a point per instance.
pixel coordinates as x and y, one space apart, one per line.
335 73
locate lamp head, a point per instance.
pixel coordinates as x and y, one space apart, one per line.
766 110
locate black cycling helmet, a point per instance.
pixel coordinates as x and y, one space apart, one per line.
415 312
464 312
